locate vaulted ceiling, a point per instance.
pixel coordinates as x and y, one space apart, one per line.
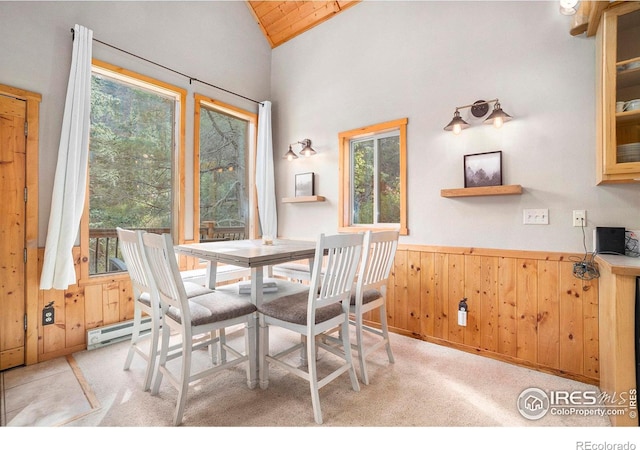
281 21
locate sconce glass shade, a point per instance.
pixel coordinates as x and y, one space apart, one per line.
568 7
457 124
498 116
307 150
290 155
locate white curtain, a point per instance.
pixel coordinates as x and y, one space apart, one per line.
265 178
69 188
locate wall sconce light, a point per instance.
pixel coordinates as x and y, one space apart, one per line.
306 150
569 7
478 109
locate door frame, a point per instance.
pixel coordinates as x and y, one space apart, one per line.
31 284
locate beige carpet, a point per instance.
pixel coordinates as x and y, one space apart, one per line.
432 397
428 386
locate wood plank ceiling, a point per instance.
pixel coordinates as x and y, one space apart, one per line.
281 21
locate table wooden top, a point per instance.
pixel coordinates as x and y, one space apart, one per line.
620 265
250 252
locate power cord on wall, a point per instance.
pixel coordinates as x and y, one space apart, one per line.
585 268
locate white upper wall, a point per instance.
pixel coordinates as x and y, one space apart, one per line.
375 62
216 42
384 60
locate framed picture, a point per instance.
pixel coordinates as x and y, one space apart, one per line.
304 184
483 169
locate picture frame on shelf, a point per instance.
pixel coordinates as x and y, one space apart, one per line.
304 184
483 169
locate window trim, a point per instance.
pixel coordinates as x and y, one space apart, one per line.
344 196
252 119
178 213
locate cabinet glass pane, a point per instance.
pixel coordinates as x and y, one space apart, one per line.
628 88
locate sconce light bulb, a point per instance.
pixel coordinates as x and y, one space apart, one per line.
497 122
457 128
289 158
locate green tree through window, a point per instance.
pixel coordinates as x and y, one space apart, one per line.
223 143
376 179
130 162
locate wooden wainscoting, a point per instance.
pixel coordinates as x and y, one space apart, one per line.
103 300
106 300
524 307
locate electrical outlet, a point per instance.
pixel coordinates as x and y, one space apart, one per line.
48 314
579 218
462 312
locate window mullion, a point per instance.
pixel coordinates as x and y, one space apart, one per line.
376 192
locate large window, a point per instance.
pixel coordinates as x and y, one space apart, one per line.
373 183
133 155
225 138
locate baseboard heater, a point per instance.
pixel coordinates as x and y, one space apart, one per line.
117 332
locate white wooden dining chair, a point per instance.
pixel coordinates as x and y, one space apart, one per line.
379 249
145 302
189 317
325 305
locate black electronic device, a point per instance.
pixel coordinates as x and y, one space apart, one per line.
610 240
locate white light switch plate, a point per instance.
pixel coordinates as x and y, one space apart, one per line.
535 216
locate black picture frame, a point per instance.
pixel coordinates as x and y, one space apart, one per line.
304 184
483 169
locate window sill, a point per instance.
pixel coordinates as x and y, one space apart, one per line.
373 228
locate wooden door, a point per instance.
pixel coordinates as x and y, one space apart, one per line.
12 231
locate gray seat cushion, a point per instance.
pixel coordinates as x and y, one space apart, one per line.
192 289
145 299
213 307
293 309
367 296
195 289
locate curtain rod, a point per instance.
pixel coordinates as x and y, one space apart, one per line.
191 79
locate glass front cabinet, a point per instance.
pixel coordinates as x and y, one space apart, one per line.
618 95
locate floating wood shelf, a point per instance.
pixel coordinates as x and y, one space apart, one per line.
307 199
513 189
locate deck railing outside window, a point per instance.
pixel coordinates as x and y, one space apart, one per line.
104 252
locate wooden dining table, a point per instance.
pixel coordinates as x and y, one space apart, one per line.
249 253
252 253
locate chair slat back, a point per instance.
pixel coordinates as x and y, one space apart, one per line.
379 250
164 269
129 243
333 282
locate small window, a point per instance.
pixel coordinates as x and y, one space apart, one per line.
373 182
